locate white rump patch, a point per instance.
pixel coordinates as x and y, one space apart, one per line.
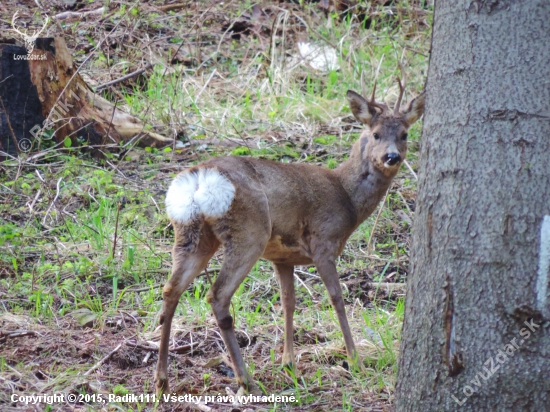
205 192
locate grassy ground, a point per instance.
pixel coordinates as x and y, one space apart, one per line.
85 244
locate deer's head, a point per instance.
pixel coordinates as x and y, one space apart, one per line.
384 141
29 39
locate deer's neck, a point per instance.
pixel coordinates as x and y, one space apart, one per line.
364 184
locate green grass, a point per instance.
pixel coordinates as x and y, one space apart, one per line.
79 260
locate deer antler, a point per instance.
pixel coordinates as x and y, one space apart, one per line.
42 29
29 39
373 102
15 16
401 90
373 92
25 35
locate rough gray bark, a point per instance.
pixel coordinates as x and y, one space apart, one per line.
479 267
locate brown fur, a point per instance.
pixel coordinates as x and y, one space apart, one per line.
290 214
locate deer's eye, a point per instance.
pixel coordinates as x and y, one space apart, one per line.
376 136
404 137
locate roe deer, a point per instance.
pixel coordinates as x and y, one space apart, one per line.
290 214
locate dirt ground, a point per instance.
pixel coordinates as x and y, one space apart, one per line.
115 352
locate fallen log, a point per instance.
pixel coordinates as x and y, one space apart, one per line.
43 90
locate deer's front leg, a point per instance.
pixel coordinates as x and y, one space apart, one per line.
329 275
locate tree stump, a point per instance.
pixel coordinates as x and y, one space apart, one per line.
20 107
43 91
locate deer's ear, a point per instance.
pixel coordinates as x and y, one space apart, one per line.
415 109
360 107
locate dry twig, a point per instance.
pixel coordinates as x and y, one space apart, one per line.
103 360
123 78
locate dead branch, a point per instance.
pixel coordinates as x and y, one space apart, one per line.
78 15
172 7
123 78
103 360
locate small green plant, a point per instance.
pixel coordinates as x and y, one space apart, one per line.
241 151
120 390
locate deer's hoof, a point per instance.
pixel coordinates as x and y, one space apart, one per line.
245 381
162 386
355 366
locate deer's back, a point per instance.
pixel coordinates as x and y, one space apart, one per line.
305 206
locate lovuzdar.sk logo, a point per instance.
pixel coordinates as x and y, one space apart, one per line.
30 40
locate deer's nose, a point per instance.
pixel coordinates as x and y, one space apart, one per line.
391 158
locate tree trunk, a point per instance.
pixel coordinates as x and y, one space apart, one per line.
48 87
475 336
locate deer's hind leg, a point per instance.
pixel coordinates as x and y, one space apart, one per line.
240 255
194 246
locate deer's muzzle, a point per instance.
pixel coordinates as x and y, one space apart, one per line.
391 159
